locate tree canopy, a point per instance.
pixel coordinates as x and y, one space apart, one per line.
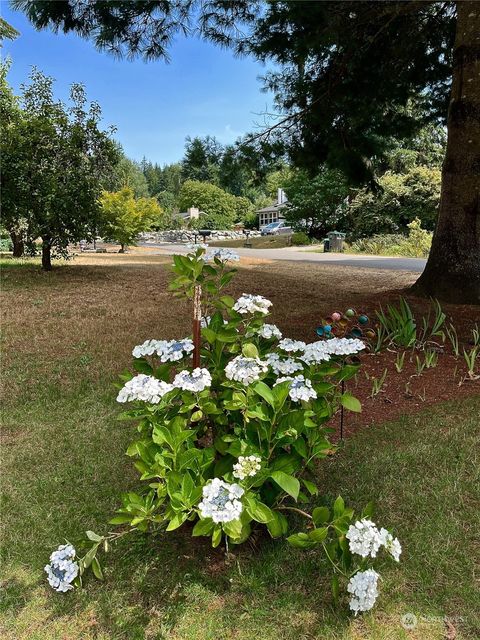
123 216
54 160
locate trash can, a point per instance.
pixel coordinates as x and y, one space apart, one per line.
336 239
326 245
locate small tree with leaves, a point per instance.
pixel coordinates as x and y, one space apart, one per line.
123 217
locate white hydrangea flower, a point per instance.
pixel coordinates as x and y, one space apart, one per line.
315 353
282 366
200 245
391 544
343 346
62 570
147 348
249 303
196 380
289 345
246 466
225 255
300 388
174 350
245 370
363 587
364 538
269 331
221 501
145 388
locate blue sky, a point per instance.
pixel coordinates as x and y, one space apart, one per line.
204 90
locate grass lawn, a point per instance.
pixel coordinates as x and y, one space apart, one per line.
65 336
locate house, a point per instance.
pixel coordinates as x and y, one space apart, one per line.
274 212
192 213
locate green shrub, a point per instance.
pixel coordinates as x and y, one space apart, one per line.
416 245
5 244
300 238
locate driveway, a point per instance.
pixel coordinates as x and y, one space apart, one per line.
297 254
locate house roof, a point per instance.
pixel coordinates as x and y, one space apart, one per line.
273 208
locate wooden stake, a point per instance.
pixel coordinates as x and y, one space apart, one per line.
197 318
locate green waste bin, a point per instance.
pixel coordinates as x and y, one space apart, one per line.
336 239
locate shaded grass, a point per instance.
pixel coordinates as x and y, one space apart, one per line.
64 468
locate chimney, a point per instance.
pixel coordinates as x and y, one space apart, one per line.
281 198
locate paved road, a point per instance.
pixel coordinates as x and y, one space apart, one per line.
301 255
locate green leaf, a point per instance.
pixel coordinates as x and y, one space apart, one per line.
310 487
351 403
97 569
94 537
120 519
216 536
318 535
288 483
249 350
264 392
228 301
278 526
203 527
321 515
300 541
142 366
233 529
368 509
335 588
177 521
338 507
259 511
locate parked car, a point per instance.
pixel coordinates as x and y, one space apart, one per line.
276 229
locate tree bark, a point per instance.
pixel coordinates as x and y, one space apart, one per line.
452 272
46 255
18 244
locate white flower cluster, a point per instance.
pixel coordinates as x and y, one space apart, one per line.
145 388
249 303
269 331
245 370
246 466
344 346
200 245
282 366
300 388
315 352
196 380
363 587
62 570
225 255
221 501
289 345
391 544
167 350
365 539
174 350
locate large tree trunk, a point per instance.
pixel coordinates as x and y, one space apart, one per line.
18 244
46 255
452 272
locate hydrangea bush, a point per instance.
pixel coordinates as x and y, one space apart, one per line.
229 442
